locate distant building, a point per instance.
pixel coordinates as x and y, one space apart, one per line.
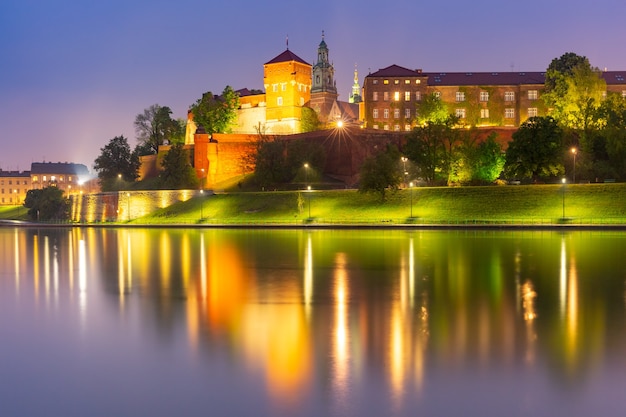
391 95
69 177
13 187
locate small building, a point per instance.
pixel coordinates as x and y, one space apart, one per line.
69 177
13 187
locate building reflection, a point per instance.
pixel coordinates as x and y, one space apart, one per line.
298 309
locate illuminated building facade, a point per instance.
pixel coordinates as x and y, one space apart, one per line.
13 187
392 95
67 176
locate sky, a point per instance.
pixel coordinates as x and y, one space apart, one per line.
75 73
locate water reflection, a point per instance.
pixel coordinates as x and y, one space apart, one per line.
341 315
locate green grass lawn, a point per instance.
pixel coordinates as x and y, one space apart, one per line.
588 203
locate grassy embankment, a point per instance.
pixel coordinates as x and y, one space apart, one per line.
584 203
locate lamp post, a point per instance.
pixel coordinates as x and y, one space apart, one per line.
201 204
411 187
574 152
306 174
309 193
563 189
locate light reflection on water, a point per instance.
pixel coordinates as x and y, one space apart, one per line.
311 322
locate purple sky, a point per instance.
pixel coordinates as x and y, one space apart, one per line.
75 73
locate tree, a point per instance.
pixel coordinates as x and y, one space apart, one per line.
155 126
177 170
47 204
431 109
116 164
536 150
381 173
216 113
310 121
562 67
431 149
478 162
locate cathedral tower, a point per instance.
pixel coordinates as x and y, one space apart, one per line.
324 90
355 95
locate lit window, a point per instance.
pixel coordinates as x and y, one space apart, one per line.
375 114
396 128
386 95
484 113
484 96
438 94
417 81
407 127
532 112
532 95
386 127
418 96
386 113
301 101
45 178
279 101
375 96
374 81
396 81
509 96
385 81
396 96
396 113
283 87
376 127
509 113
407 96
407 81
460 96
623 93
460 113
407 113
274 88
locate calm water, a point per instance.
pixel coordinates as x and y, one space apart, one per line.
168 322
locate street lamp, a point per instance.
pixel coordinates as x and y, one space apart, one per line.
201 204
563 189
309 193
406 173
574 152
411 187
306 173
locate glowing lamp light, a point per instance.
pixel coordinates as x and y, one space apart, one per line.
340 123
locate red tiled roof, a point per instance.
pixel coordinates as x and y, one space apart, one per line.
286 57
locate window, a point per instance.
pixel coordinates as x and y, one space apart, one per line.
484 96
407 81
438 94
283 86
532 112
274 88
460 113
301 101
418 96
386 95
385 82
484 113
407 127
396 81
375 114
376 127
396 128
396 113
509 96
407 113
386 127
532 95
407 96
374 81
375 96
509 113
460 96
396 96
10 182
279 101
386 113
603 94
417 81
623 93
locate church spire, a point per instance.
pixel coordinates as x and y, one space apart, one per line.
355 95
323 71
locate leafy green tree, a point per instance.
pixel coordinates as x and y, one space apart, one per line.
536 150
116 165
47 204
300 152
381 173
562 67
216 114
431 109
477 162
155 126
608 145
310 121
177 170
431 149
